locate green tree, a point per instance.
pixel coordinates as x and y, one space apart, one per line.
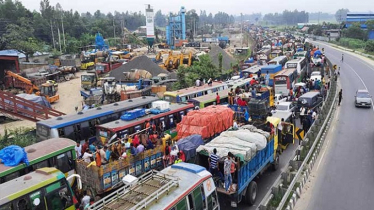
369 46
21 38
355 32
160 19
220 60
370 25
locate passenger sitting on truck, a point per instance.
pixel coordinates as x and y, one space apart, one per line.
178 158
150 144
135 141
133 149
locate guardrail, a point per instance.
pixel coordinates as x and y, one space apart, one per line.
287 188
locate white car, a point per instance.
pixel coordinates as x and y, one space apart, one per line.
279 98
285 107
316 75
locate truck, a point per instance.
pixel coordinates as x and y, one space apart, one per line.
272 70
89 79
250 162
105 67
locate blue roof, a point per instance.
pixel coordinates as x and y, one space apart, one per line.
188 167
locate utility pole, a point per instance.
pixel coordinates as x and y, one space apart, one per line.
63 30
59 38
241 27
53 36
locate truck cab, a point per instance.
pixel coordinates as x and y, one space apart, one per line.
89 80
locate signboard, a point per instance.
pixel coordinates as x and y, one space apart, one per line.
280 78
291 65
149 22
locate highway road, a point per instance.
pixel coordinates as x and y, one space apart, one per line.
345 172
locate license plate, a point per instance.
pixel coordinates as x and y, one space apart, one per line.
362 104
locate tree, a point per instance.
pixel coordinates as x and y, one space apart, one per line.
370 25
341 14
160 19
355 32
220 60
20 37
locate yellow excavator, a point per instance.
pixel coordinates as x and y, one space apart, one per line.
48 90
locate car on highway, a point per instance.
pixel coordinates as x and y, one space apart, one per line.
316 75
285 107
363 98
279 98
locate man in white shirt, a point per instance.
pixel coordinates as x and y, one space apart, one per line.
302 112
78 150
87 156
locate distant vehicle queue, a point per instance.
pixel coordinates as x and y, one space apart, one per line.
120 146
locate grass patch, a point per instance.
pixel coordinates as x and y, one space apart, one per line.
22 137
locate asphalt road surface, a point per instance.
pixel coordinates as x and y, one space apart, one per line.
345 173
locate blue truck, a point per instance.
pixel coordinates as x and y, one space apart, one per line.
273 70
246 171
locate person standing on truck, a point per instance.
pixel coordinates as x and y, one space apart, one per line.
227 170
267 78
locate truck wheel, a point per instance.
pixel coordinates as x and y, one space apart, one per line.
276 163
251 194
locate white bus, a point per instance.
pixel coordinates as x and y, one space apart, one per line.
300 64
280 60
180 186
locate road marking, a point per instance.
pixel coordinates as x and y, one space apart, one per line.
358 76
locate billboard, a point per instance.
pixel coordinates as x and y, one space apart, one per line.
150 21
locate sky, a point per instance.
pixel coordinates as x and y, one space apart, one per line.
233 7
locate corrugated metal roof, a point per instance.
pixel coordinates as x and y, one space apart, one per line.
11 53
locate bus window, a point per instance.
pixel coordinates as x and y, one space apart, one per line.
182 205
203 195
62 162
69 132
92 126
41 165
61 132
190 202
181 114
124 133
138 128
85 130
104 120
58 196
198 198
171 121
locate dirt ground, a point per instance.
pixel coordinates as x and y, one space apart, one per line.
69 99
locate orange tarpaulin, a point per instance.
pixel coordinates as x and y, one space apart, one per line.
206 122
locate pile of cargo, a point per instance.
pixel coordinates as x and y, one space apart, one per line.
243 143
206 122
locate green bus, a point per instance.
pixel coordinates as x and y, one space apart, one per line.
42 189
210 99
56 152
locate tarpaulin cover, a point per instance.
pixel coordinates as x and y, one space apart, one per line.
189 145
206 122
36 99
13 155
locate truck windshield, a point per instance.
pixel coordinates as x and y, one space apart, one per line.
99 67
86 78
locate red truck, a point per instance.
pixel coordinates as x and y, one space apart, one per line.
104 67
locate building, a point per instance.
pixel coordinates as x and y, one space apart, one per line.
359 18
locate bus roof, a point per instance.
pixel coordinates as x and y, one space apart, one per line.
179 179
286 72
43 148
194 89
119 125
297 60
253 69
66 120
210 97
238 82
279 58
28 183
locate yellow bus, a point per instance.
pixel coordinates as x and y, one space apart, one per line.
56 152
183 95
43 189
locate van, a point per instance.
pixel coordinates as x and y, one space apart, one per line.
310 100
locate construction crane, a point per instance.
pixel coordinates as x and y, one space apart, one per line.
48 90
